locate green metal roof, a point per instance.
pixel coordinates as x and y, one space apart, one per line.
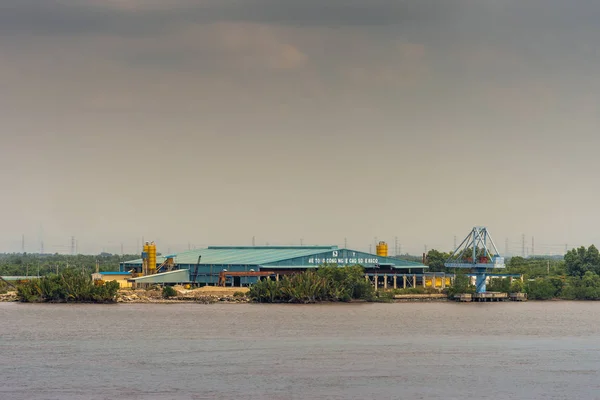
265 255
241 255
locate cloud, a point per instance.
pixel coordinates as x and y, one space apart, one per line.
139 17
403 64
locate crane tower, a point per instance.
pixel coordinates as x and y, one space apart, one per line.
478 253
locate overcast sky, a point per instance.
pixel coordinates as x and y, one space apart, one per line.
213 121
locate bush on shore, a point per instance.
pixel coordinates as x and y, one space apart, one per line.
328 283
586 287
168 291
69 286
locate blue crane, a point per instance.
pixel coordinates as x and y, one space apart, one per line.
478 253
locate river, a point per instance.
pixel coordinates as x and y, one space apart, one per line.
533 350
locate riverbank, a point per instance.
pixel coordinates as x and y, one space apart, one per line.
203 295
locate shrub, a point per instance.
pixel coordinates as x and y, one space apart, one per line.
383 297
499 285
69 286
541 289
462 284
326 284
168 291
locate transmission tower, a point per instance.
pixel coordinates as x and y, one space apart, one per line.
523 245
73 245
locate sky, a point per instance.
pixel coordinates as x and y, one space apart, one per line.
205 122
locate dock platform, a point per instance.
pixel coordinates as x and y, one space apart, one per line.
490 296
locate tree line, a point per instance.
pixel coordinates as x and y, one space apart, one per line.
32 264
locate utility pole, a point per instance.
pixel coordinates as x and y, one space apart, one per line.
370 249
23 244
454 242
73 245
523 245
396 246
301 242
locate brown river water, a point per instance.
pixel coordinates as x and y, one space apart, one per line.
533 350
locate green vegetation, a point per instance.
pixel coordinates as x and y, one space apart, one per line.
4 287
26 264
168 291
328 283
69 286
415 290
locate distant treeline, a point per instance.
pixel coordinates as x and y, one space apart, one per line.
31 264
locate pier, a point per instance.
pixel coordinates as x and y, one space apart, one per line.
489 297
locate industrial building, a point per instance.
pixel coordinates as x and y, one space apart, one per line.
244 265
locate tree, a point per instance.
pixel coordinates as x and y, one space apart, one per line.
581 260
435 260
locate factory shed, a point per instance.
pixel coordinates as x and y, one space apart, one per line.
204 266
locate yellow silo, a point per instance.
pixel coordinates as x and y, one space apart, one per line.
152 258
382 250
